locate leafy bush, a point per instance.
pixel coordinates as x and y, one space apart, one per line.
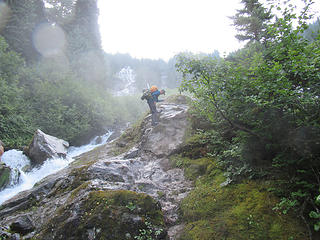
263 102
14 129
51 97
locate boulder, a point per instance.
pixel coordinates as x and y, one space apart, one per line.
5 173
108 214
169 134
44 146
22 225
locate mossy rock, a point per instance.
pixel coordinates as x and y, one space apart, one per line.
129 138
4 175
236 211
178 99
111 214
193 168
196 145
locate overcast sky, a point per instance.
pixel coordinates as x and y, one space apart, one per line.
162 28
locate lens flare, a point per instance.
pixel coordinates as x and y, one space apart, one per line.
4 14
49 39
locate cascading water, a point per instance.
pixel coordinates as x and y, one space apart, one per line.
127 76
18 162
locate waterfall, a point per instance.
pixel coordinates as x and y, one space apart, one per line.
127 77
18 162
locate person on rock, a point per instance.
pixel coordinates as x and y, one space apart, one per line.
151 95
156 93
1 149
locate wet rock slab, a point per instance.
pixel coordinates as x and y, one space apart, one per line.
101 196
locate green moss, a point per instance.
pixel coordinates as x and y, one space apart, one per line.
178 99
76 191
107 215
160 194
236 211
193 168
195 145
4 176
89 158
129 138
145 205
204 229
79 168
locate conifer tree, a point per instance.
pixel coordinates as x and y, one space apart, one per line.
25 16
251 21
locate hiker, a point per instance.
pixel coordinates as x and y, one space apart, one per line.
153 109
1 149
151 95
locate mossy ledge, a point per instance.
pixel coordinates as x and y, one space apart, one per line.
129 138
110 214
236 211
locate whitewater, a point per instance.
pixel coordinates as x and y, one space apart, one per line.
18 162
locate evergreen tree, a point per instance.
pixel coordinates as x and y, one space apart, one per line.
84 44
251 21
25 16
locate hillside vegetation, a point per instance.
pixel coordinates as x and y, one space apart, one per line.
262 103
55 76
254 147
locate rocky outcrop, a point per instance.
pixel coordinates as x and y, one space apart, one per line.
168 135
44 146
116 191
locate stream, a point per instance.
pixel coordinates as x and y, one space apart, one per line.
18 162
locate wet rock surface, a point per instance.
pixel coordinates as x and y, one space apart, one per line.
133 192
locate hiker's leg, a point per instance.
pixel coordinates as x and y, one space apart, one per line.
154 119
153 107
